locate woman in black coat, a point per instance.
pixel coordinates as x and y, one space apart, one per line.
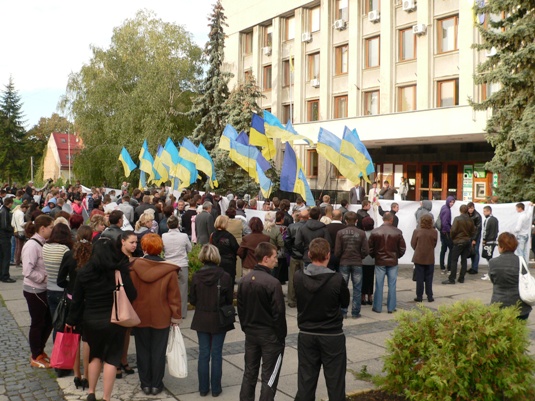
227 246
504 272
210 332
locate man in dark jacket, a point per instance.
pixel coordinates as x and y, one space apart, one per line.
114 231
6 233
363 212
394 208
386 245
263 320
351 248
296 257
462 233
321 293
204 224
138 211
313 228
333 227
476 219
444 226
490 233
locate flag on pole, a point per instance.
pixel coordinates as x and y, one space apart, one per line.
354 148
245 157
243 138
257 137
329 146
146 163
206 164
169 156
266 185
186 169
128 163
160 167
275 129
229 134
293 177
142 180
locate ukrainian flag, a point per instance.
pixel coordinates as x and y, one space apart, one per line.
266 186
186 168
245 157
169 156
145 158
274 129
206 165
290 128
354 148
329 146
229 134
261 160
257 137
293 178
243 138
142 180
128 163
163 172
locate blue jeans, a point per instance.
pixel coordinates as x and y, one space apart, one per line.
13 246
446 244
392 275
523 247
210 345
475 258
356 277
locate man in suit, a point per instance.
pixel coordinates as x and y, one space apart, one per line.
356 194
204 224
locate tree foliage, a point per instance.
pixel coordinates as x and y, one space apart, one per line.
208 107
13 150
511 128
139 88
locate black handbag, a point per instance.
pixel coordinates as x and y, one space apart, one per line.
227 313
61 312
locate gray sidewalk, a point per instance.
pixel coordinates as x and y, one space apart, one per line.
365 339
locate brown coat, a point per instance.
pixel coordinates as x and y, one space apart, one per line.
248 246
158 303
424 241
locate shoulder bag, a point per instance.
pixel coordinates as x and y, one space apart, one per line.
227 313
526 283
122 312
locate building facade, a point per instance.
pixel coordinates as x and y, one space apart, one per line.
399 71
60 151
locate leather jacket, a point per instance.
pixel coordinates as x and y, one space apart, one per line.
386 245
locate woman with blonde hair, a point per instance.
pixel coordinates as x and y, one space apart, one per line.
97 224
142 228
227 246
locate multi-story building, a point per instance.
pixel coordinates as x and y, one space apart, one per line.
399 71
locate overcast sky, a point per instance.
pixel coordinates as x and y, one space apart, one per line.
43 41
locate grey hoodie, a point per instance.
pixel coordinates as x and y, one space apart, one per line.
426 207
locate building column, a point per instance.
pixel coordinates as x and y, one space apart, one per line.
424 54
325 61
386 53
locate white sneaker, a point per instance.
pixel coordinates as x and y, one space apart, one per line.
485 277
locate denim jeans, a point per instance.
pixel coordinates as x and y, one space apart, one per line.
392 276
523 247
210 345
475 258
356 277
445 244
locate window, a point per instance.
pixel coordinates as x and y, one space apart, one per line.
447 34
285 113
289 29
312 163
286 77
407 98
313 110
340 106
491 20
314 19
248 74
371 103
407 44
487 90
268 35
342 9
372 52
340 55
267 78
313 66
247 43
448 93
372 5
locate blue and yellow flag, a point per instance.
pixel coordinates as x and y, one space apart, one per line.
354 148
142 180
169 156
160 167
229 134
128 163
206 165
329 146
274 129
186 169
266 186
257 137
293 177
243 138
245 157
146 163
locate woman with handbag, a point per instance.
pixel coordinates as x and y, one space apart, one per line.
92 302
72 262
504 274
158 306
211 291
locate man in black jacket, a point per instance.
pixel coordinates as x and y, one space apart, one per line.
114 231
476 239
6 233
296 257
313 228
321 293
263 320
490 233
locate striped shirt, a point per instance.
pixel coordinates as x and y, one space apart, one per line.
52 256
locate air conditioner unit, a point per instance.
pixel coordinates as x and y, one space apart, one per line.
374 16
419 29
267 51
492 52
315 83
340 24
409 5
306 37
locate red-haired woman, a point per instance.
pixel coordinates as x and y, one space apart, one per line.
158 306
71 263
249 243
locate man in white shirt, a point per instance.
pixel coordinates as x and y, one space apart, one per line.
522 231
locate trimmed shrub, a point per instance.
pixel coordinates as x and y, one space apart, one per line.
465 351
194 264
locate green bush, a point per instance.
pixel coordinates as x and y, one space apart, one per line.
465 351
194 264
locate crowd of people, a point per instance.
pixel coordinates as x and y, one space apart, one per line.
77 245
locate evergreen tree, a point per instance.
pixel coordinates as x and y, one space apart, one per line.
208 108
12 135
511 128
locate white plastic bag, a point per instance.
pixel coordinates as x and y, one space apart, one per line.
177 360
526 283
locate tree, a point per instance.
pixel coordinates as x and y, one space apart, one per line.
209 106
510 129
13 149
139 88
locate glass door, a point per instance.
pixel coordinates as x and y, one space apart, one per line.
430 182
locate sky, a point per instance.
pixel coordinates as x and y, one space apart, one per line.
43 41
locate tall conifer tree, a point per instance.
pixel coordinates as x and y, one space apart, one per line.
507 29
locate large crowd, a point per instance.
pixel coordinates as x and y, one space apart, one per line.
74 245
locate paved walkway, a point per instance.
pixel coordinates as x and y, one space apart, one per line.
365 339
